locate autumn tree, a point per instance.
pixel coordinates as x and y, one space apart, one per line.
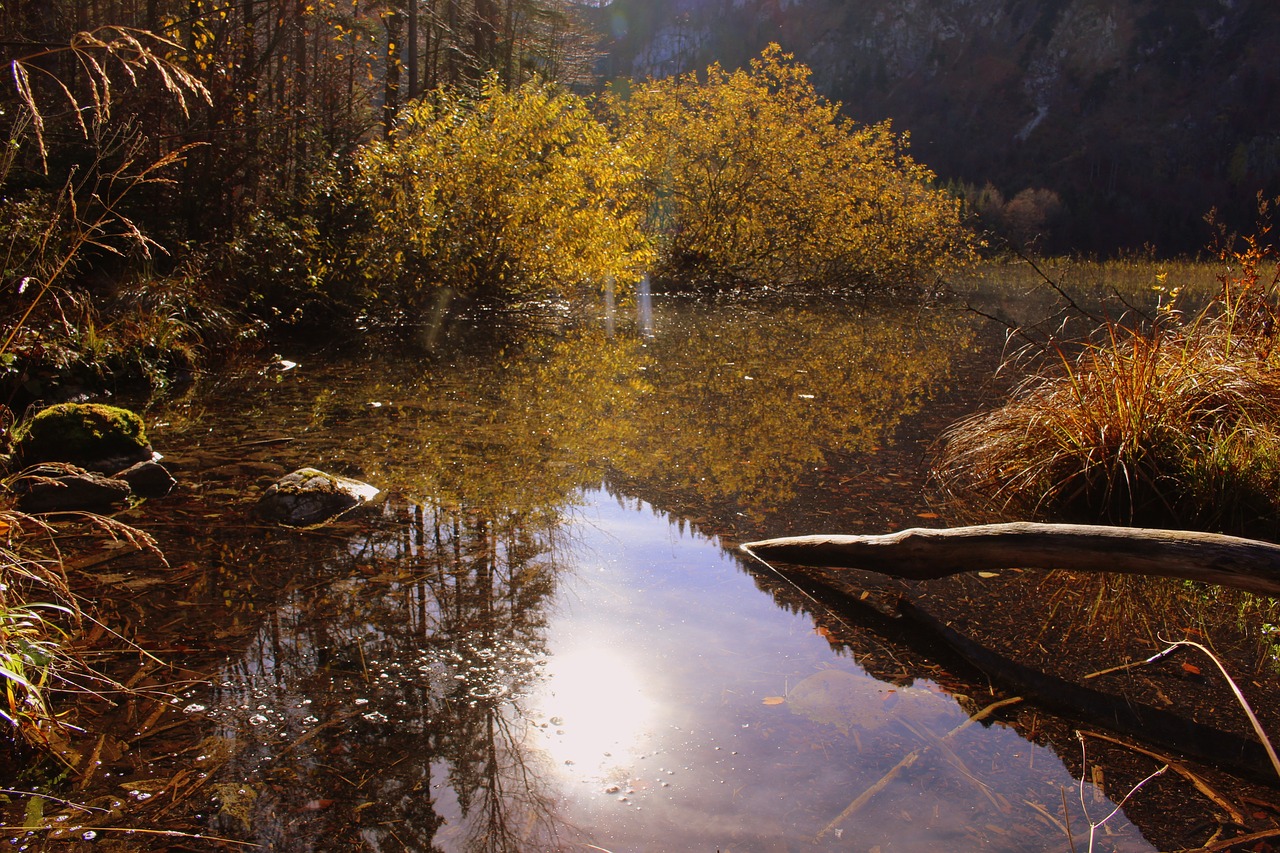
519 193
759 180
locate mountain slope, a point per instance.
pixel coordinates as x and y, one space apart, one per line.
1140 114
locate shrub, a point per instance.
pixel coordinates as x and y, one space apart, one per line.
758 180
519 194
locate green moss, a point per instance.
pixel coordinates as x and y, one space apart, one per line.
80 432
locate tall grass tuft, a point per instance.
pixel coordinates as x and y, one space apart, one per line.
38 613
1170 423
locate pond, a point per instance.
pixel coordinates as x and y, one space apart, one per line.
542 636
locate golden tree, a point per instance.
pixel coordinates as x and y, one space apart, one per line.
758 179
521 193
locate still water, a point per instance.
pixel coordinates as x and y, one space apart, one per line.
542 637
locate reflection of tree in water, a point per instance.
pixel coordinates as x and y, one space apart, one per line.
383 706
722 403
733 404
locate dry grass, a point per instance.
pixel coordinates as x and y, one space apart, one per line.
41 621
1176 423
37 614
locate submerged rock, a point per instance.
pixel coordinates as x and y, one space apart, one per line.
308 497
57 487
91 435
847 700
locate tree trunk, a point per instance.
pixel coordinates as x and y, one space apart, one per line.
302 83
921 554
391 83
412 70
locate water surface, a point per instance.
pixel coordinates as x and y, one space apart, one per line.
542 636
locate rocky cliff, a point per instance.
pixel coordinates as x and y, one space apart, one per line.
1140 115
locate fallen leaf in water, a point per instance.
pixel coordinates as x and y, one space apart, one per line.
35 813
237 801
926 515
1191 668
317 805
146 786
988 574
774 700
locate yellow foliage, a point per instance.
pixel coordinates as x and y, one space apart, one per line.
758 179
521 193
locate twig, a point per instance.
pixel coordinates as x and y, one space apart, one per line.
996 800
910 759
1048 279
1047 815
1066 817
1230 843
1218 799
1253 718
1093 827
1158 656
167 833
52 798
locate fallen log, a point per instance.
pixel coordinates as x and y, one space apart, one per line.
923 554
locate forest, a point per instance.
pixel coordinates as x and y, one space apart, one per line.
182 177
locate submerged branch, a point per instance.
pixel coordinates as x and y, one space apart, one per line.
923 554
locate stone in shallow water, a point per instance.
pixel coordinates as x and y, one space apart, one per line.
56 487
847 701
148 479
308 497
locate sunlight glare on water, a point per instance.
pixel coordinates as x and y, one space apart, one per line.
683 710
598 709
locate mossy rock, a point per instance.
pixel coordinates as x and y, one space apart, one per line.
94 435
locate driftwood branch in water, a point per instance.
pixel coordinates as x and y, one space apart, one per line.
921 554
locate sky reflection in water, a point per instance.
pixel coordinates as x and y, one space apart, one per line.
665 655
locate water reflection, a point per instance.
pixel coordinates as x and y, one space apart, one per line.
750 403
607 705
393 694
644 307
641 696
517 653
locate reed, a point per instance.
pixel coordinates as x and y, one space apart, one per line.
1175 422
